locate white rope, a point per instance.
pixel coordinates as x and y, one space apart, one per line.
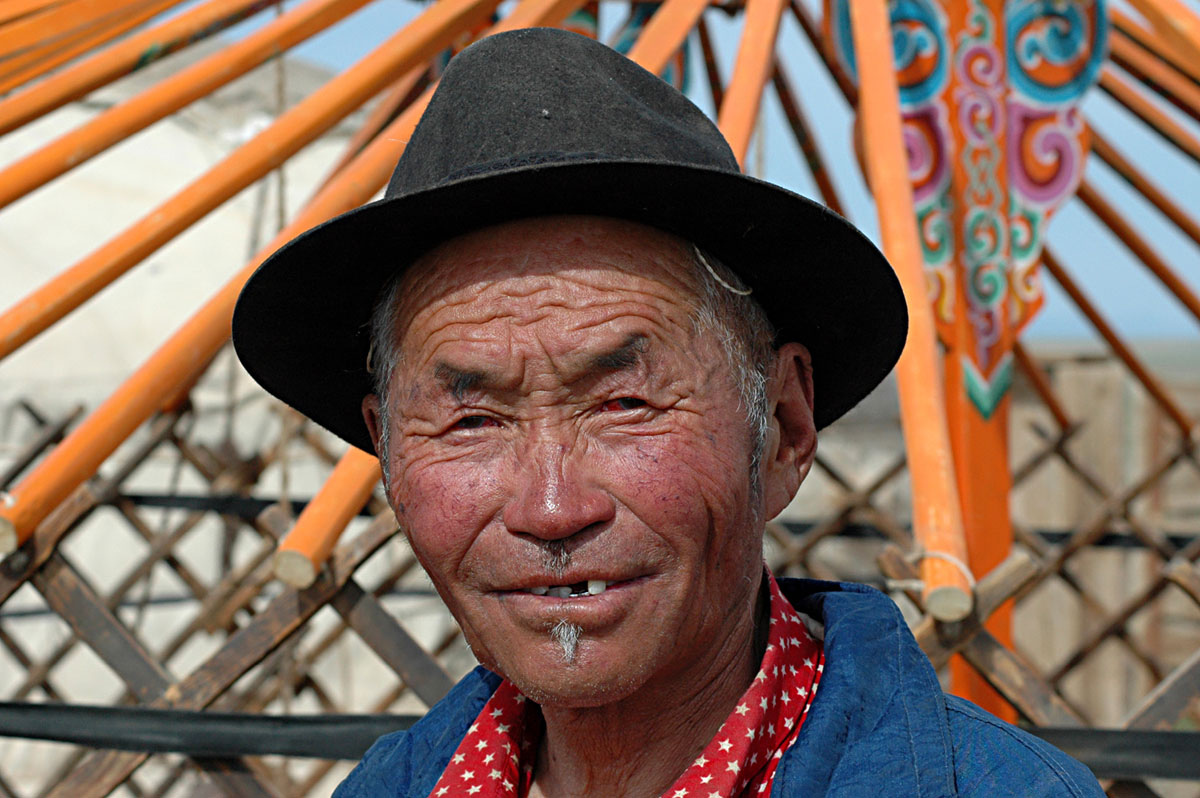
950 558
703 260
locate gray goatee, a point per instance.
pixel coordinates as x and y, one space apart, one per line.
566 634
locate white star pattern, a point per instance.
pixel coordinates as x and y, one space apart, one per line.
744 753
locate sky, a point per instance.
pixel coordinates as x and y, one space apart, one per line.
1129 296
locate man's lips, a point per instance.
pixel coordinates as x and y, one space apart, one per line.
567 587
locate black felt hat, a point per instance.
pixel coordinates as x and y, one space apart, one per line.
544 122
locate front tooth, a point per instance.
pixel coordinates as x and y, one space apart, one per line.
596 586
539 591
561 592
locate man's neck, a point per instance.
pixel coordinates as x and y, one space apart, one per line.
639 746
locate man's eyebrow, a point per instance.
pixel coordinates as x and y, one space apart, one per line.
624 356
459 381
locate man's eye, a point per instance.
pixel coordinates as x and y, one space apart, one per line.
475 422
624 403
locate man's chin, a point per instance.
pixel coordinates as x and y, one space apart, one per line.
586 681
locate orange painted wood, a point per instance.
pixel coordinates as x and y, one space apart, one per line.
60 22
1160 76
1139 246
188 350
665 33
1151 383
1174 21
24 69
755 59
984 479
15 9
1153 43
1111 156
402 94
118 60
937 518
1127 95
303 551
119 122
294 129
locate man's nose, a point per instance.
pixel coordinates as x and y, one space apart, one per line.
555 494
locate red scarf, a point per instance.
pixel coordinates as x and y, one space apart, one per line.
497 756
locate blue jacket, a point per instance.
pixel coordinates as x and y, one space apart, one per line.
879 726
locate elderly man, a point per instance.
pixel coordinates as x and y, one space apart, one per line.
592 358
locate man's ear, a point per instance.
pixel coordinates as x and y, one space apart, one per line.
792 434
371 415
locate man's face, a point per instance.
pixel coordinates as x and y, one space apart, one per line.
552 396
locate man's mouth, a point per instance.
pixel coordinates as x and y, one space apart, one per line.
592 587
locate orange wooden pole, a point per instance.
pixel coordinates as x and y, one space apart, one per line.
1139 246
665 33
15 9
1160 76
416 43
304 549
1122 166
121 59
188 351
1125 93
756 57
74 148
937 518
1155 388
1153 43
20 70
59 22
401 95
1175 22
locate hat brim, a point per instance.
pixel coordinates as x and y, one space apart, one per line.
300 323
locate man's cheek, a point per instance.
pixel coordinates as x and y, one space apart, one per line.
449 505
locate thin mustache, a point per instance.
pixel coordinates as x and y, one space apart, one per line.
555 556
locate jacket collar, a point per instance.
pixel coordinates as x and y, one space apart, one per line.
879 718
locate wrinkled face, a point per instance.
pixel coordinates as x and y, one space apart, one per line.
553 403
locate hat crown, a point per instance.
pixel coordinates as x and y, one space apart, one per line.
548 96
